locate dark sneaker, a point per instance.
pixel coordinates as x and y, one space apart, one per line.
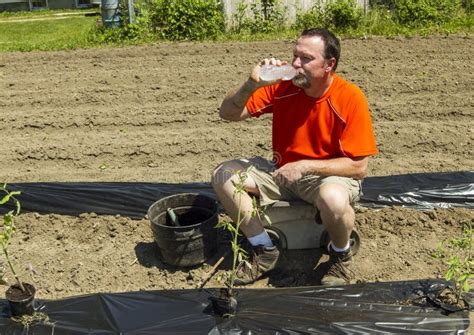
262 261
337 268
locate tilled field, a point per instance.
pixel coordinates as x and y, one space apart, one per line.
150 114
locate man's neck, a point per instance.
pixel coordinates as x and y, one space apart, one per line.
317 90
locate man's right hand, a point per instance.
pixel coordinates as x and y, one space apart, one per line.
255 74
233 106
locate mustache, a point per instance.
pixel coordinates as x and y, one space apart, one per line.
302 80
300 75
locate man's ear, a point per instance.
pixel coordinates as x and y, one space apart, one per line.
330 64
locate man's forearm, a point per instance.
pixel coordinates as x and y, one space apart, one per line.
343 166
234 103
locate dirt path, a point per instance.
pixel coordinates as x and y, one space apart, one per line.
150 114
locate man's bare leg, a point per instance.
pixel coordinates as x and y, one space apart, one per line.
336 212
338 218
222 178
264 255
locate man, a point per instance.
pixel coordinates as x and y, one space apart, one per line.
322 139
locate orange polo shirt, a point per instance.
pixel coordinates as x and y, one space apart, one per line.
336 124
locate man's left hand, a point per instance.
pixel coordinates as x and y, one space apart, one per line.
289 173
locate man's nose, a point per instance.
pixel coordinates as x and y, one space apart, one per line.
296 62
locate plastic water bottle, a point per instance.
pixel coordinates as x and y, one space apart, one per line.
273 72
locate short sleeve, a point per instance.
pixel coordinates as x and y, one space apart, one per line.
357 138
261 101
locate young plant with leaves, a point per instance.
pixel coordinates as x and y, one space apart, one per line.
456 253
239 254
9 228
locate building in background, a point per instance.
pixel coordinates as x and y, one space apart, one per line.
27 5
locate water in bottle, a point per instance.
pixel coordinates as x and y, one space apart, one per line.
273 72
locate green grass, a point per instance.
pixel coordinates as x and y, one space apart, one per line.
68 33
44 12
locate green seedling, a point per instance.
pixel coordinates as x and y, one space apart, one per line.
456 254
239 254
9 227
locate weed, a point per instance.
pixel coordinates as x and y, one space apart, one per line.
456 254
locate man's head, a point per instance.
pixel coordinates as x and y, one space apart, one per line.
315 55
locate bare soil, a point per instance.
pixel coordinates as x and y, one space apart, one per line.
150 114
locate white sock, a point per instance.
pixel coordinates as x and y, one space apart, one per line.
336 249
261 239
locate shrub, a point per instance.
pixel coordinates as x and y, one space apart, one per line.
259 16
467 5
311 18
204 19
139 30
342 15
447 9
414 13
338 15
379 21
187 19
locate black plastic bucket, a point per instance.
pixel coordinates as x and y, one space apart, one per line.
195 240
21 303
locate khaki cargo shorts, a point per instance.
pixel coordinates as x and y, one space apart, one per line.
305 189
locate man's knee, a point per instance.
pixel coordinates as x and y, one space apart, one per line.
227 170
224 171
333 198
